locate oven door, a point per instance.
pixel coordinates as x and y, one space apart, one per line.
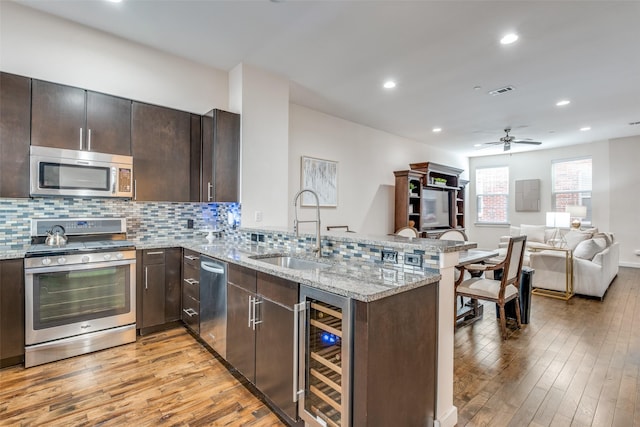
65 301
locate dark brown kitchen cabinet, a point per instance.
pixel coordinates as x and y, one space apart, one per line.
260 333
220 170
161 142
15 125
158 288
11 312
76 119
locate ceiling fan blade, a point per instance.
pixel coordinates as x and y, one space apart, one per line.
493 143
528 142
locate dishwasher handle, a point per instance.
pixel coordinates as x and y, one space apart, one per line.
212 268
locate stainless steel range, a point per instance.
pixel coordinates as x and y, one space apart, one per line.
80 296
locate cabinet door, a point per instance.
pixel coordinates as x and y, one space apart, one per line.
57 115
15 125
274 355
153 295
241 343
160 145
11 312
172 274
220 156
195 181
108 124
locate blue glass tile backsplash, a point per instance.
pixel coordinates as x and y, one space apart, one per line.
145 220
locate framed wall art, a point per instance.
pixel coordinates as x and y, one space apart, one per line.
320 176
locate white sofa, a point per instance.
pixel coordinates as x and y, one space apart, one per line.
595 259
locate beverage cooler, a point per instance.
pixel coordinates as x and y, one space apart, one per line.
323 389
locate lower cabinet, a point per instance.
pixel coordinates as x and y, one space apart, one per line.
260 333
158 288
11 312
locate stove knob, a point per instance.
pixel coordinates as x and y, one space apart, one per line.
86 258
62 260
119 255
107 257
46 261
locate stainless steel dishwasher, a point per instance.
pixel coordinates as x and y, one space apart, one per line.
213 304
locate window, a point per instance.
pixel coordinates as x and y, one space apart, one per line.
492 192
571 185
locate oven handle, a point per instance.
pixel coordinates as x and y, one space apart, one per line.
74 267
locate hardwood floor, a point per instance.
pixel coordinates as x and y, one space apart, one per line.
166 378
576 364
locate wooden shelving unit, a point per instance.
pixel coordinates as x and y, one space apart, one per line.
428 175
408 198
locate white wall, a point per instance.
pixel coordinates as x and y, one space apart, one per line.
45 47
624 197
264 103
366 160
612 192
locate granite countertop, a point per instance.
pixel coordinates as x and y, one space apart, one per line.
364 281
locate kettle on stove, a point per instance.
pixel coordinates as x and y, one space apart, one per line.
56 237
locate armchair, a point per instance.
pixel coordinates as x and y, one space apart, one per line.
498 291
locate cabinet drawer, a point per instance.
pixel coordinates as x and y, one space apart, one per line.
277 289
153 256
190 289
191 314
190 272
242 277
191 259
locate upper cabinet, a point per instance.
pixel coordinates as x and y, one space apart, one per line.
160 144
76 119
220 157
15 119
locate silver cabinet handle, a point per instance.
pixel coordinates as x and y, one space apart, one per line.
209 191
113 176
250 310
192 281
191 257
89 140
146 277
256 301
80 139
135 189
298 309
155 253
212 268
190 312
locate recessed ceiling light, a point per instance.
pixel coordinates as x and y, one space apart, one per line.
563 103
585 128
389 84
477 145
437 130
115 1
509 38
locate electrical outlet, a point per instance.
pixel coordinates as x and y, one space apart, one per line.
257 216
260 237
254 237
389 256
413 259
189 223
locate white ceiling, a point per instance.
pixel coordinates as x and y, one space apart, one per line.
337 54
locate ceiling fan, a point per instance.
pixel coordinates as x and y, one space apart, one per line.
508 139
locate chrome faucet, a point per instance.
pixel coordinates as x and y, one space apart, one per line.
318 249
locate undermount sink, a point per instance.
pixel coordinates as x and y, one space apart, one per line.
292 262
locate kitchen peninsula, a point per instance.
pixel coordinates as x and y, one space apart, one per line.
402 328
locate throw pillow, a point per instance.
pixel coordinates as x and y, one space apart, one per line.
587 249
573 237
534 233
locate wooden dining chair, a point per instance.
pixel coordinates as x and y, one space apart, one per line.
498 291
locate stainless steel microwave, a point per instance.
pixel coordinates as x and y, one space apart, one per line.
60 172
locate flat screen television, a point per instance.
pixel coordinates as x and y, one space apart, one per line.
434 212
